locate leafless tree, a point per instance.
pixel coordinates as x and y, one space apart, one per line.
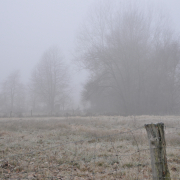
49 81
132 58
13 93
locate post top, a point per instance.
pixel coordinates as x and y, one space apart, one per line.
155 124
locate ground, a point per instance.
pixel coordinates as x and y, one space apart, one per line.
83 148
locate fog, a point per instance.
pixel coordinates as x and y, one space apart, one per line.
63 36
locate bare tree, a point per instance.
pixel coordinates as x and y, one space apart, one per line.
13 93
132 58
49 81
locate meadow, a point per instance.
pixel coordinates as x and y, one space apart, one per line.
83 148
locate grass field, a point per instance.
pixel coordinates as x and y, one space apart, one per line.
83 148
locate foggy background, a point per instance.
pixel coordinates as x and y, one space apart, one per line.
31 28
28 28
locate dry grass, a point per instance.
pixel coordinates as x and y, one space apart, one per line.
83 148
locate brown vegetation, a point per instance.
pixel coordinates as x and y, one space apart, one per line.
83 147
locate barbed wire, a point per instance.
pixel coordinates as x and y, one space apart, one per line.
79 141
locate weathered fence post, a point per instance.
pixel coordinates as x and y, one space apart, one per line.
157 145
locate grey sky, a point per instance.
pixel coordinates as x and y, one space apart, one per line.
29 27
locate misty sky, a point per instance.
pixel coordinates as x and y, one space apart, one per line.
29 27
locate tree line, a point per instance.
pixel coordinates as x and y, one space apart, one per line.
48 90
133 59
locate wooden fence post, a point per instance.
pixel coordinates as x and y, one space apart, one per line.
157 145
